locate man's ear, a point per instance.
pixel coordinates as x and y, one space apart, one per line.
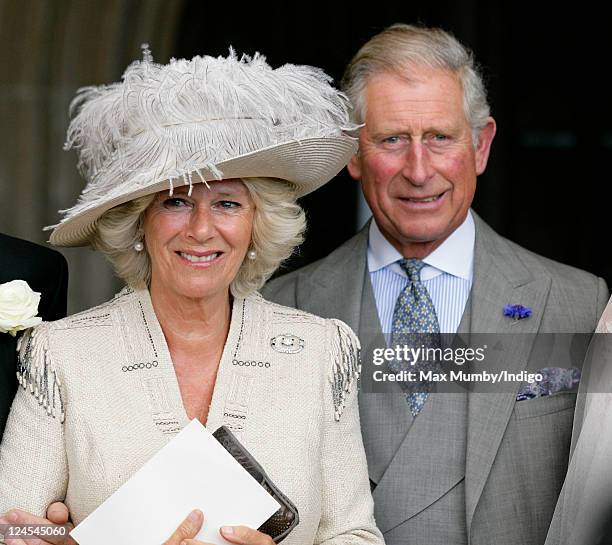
354 167
485 139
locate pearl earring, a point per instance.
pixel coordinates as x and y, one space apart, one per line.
139 246
252 255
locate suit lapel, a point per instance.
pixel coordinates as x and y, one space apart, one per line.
500 278
335 290
385 417
429 462
401 450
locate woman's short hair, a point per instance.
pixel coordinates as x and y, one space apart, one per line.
278 227
400 46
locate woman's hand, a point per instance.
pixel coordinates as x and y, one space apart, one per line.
187 529
241 535
57 513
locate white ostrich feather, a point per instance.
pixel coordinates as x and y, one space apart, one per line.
168 121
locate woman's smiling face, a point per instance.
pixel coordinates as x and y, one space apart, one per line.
197 243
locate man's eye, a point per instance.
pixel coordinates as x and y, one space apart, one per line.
440 137
391 140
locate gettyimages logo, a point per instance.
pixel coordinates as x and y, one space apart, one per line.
413 355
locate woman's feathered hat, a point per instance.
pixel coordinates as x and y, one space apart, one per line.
199 120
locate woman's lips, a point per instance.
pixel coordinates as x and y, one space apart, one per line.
199 258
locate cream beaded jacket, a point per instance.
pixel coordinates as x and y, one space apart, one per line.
101 397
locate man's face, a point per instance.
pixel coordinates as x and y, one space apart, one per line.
417 162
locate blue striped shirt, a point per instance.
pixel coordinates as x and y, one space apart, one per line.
447 275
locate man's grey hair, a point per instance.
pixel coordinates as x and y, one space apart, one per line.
278 227
400 47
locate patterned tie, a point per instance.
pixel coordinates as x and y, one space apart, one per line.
414 314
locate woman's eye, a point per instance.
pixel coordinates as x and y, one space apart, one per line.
228 204
174 202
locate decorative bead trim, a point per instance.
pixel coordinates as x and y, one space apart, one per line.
36 371
141 365
89 318
346 355
162 411
297 318
236 409
252 363
146 324
102 320
239 341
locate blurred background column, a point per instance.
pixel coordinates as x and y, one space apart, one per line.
48 49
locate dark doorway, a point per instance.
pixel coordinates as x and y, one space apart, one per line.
546 185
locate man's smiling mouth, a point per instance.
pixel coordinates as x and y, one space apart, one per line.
424 200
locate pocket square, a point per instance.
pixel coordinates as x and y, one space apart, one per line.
554 380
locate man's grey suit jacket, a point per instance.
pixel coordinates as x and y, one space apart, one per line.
478 468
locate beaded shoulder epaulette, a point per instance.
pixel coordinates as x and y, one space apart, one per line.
345 348
36 372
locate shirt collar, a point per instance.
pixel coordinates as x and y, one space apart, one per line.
454 256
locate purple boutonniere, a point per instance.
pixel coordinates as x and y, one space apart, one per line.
518 312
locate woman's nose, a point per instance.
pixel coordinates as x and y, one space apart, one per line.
201 224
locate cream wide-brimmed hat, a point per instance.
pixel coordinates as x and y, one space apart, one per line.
199 120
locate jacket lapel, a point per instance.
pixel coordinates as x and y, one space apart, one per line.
429 462
401 450
500 278
334 289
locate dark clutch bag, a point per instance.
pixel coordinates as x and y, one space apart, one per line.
280 524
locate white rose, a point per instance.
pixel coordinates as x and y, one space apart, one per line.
18 307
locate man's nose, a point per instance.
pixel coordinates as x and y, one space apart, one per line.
417 166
